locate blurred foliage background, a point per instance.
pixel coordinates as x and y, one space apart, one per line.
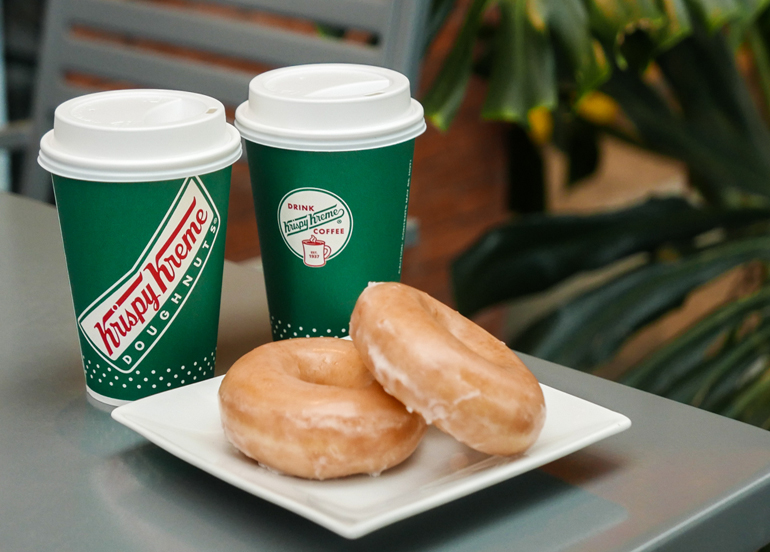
689 79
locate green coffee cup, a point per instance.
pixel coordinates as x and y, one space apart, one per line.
330 151
142 180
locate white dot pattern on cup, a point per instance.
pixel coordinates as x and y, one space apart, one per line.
137 383
285 330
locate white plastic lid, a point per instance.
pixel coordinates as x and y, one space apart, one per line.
330 107
139 136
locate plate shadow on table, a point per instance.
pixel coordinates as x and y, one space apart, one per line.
509 512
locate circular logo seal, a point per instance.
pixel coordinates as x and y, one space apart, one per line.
315 224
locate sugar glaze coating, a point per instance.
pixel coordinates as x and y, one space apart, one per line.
308 407
448 369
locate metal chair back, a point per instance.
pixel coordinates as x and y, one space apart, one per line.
213 47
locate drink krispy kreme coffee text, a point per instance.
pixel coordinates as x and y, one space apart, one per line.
127 320
312 220
306 212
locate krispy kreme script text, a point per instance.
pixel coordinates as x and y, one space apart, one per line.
127 321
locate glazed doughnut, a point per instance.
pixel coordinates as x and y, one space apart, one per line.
448 369
309 407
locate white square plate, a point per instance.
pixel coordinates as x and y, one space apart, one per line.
185 422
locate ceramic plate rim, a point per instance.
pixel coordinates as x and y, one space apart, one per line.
133 416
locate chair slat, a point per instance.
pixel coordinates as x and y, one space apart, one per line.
368 15
147 69
202 32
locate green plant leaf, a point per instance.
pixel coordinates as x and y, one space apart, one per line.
613 20
737 29
758 42
439 12
715 14
446 93
729 368
523 69
529 30
678 24
578 139
567 22
753 404
721 157
710 89
588 330
681 357
712 125
732 384
533 253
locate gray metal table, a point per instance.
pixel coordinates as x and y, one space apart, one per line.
73 479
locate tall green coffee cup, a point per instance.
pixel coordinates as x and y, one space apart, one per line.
142 179
330 151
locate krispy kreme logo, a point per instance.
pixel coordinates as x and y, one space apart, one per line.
128 319
315 224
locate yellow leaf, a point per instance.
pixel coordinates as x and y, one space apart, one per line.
540 125
598 108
